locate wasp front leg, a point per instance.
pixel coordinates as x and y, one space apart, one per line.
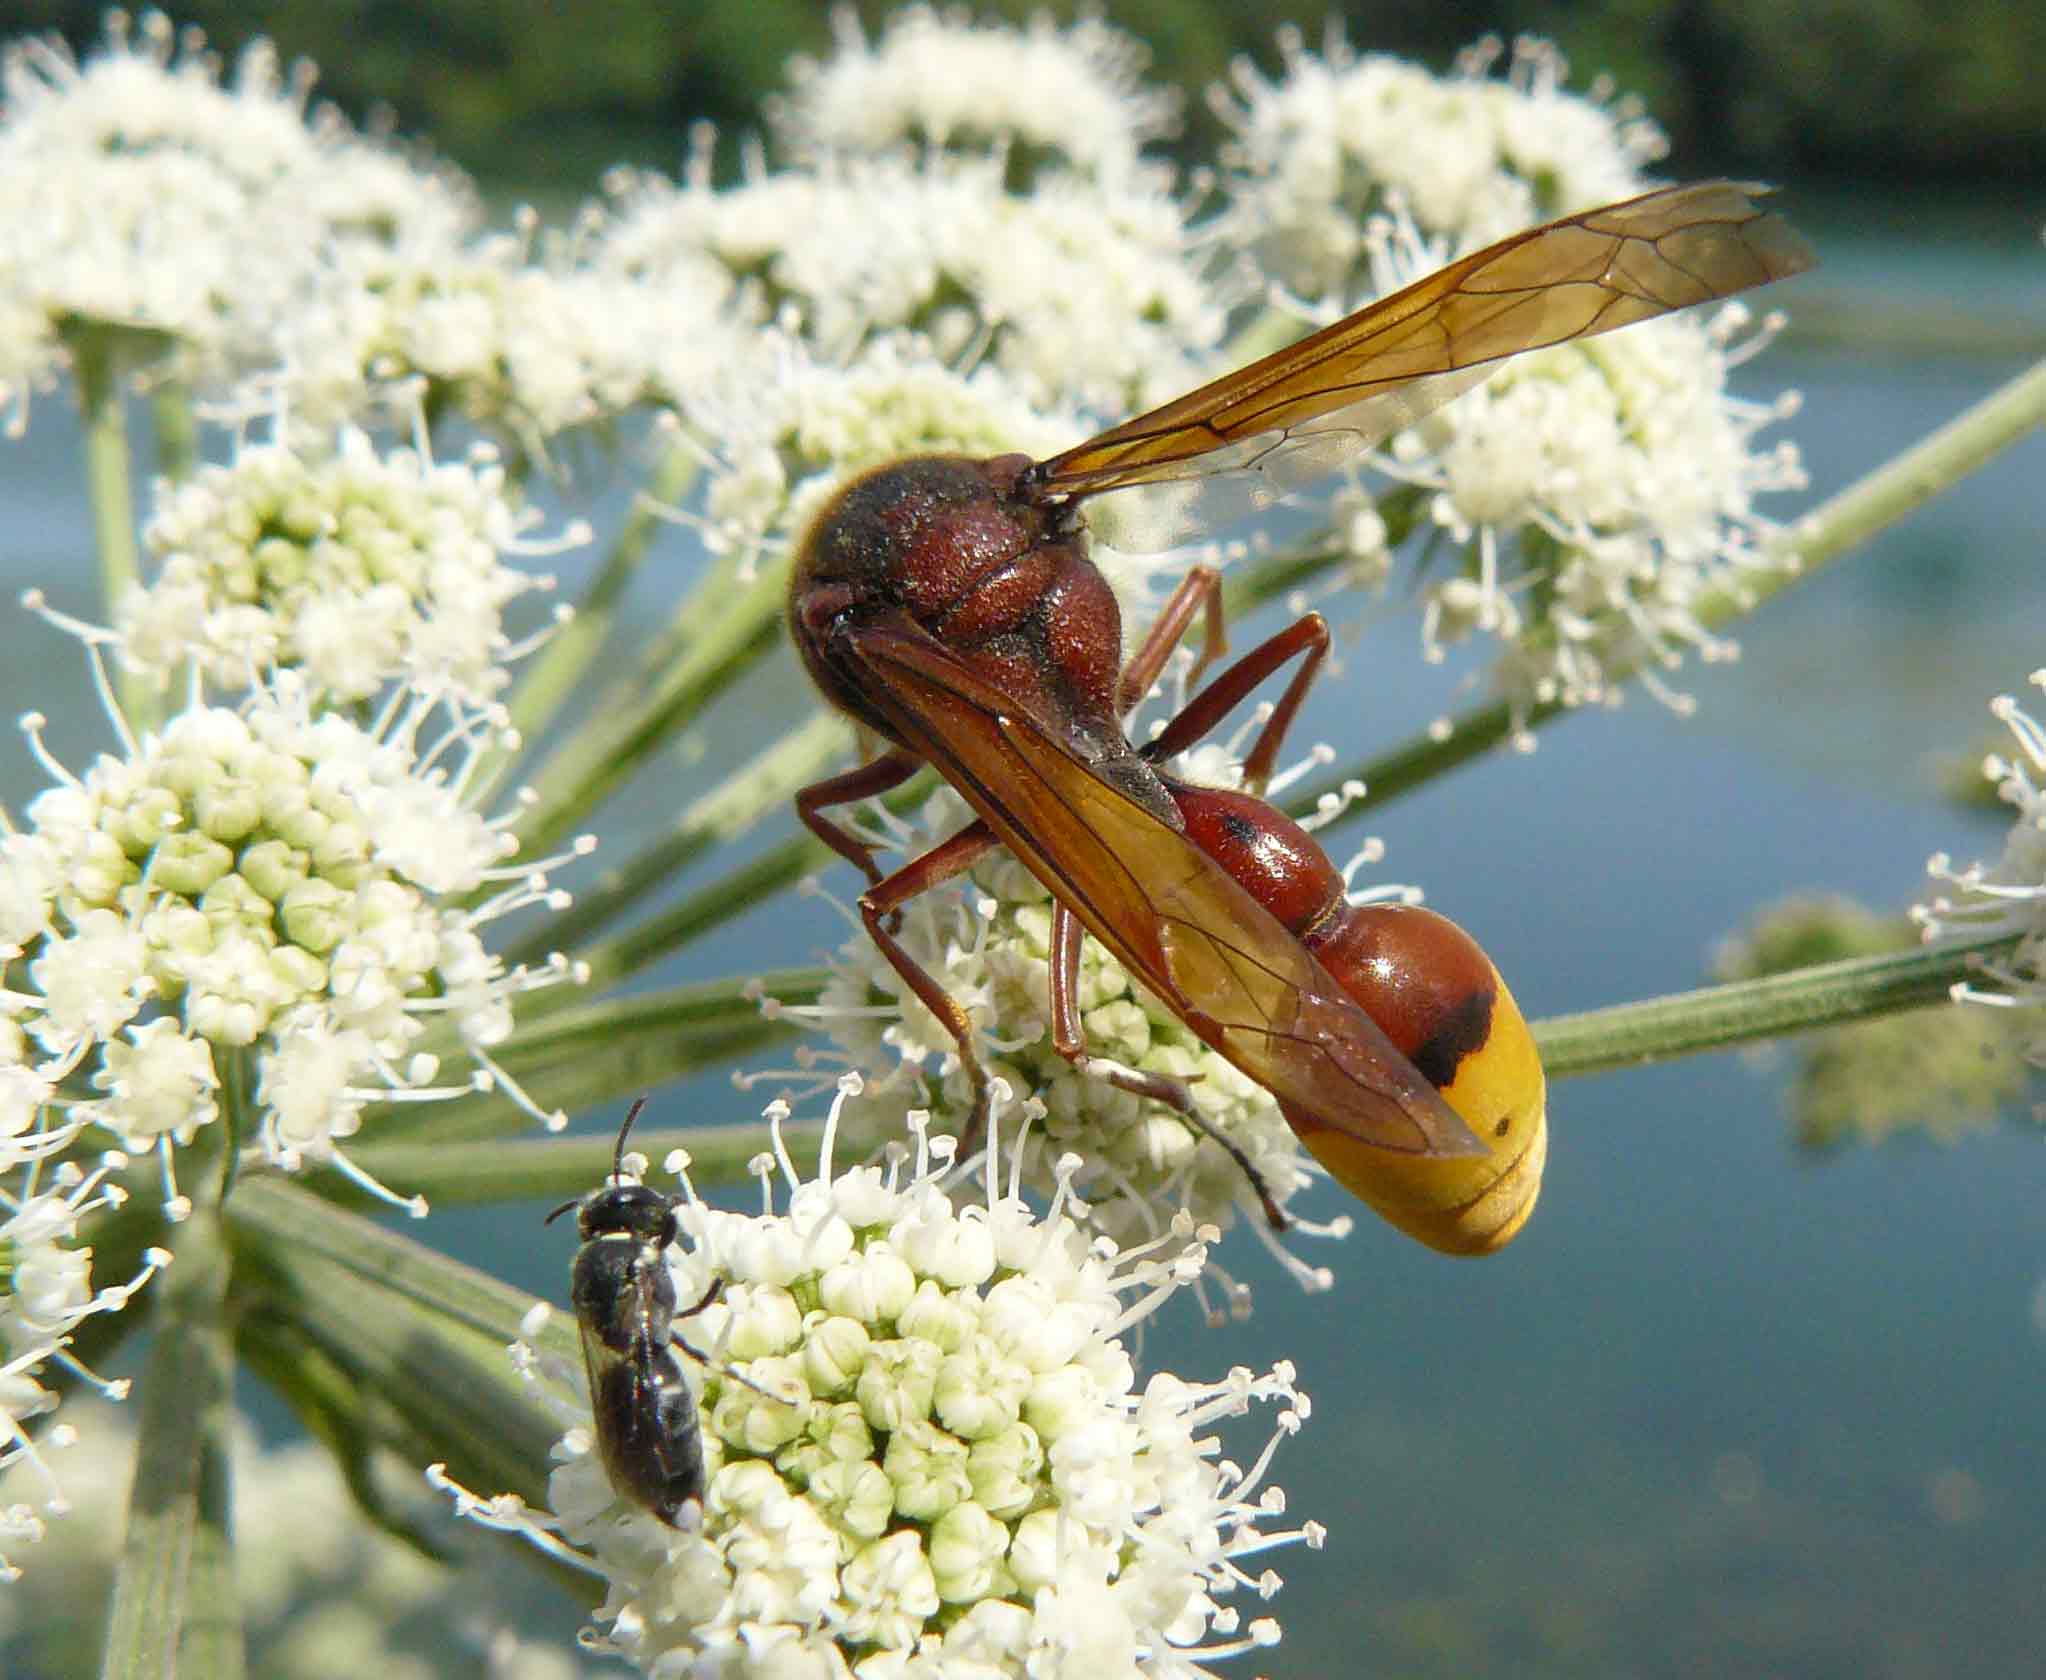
880 911
867 781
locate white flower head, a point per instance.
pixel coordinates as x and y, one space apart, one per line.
1074 94
2007 896
1084 290
1595 497
516 331
140 193
953 1462
355 567
1339 137
46 1292
789 427
266 882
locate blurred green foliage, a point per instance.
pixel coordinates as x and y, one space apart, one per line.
523 90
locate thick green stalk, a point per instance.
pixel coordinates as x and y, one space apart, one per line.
626 731
617 1047
177 436
1721 1017
175 1610
550 677
97 368
424 1333
1681 1024
726 811
539 1169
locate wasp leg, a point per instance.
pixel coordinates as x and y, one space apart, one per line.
890 770
1069 1038
1200 591
880 910
1306 639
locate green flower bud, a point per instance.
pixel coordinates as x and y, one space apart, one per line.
229 808
928 1470
834 1353
314 915
1004 1470
937 1316
856 1495
272 868
764 1321
233 906
966 1547
895 1388
188 863
979 1394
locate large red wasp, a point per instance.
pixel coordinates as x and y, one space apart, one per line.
949 605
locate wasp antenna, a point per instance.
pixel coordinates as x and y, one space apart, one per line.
618 1154
573 1202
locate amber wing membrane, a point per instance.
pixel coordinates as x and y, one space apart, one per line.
1405 355
1166 910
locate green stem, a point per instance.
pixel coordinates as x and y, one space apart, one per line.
1877 501
629 727
424 1333
177 437
96 366
718 816
753 883
1719 1017
549 679
1682 1024
175 1607
619 1047
560 1167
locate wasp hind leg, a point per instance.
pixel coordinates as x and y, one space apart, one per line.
1069 1038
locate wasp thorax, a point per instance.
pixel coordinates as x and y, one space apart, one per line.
977 558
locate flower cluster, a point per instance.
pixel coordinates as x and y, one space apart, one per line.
2009 895
142 196
267 881
1600 495
1078 291
941 1453
520 334
356 568
1134 1159
1340 137
1075 96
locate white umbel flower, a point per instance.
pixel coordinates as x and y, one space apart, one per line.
46 1292
782 430
513 330
1339 137
266 882
1596 496
2007 896
1081 290
1074 94
142 194
955 1467
355 567
1135 1160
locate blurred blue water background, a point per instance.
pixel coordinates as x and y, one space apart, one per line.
1724 1409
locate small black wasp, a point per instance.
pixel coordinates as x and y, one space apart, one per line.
647 1429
